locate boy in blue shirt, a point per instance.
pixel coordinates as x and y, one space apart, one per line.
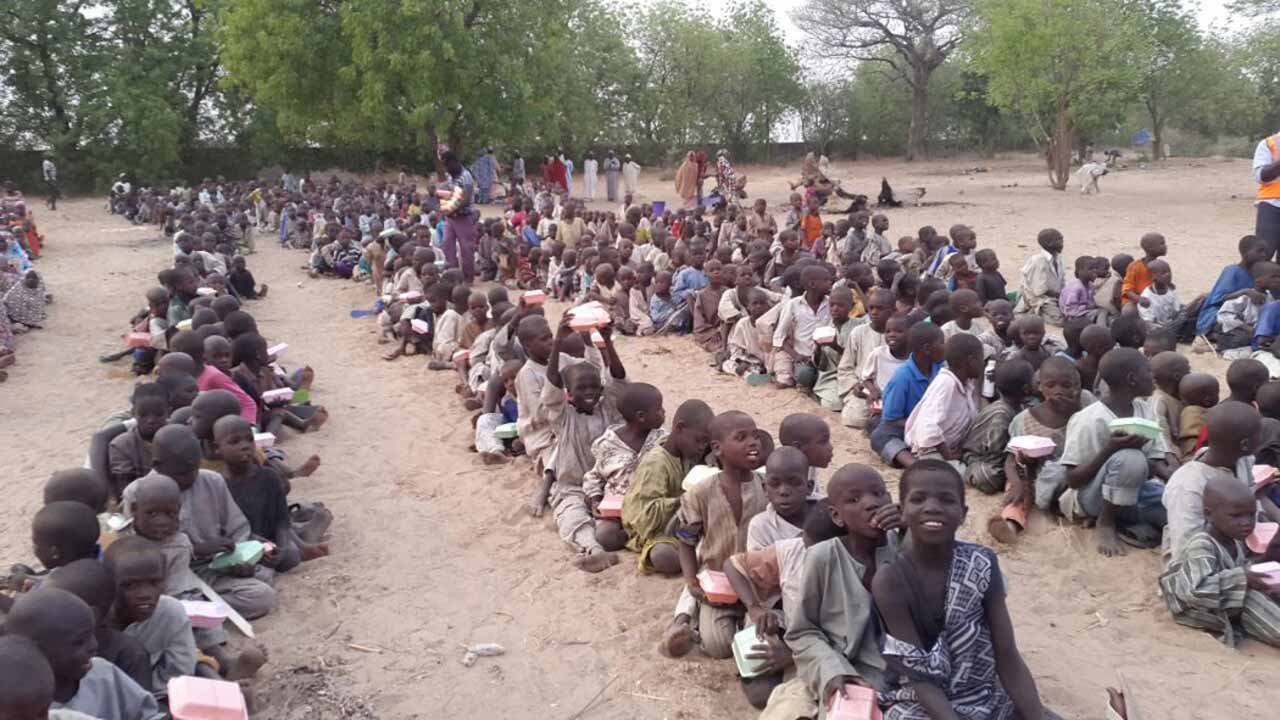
904 390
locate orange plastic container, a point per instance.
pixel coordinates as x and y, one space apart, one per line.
1263 534
138 340
610 506
533 297
859 705
715 585
193 698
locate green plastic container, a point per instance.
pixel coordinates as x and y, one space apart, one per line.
1149 429
508 431
743 642
248 552
758 379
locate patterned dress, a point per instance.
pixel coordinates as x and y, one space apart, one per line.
962 660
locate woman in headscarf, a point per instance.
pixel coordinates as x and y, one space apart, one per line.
730 184
687 180
24 302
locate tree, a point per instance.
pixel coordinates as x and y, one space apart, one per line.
825 114
919 33
1063 65
1173 77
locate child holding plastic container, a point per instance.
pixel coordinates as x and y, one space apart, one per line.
948 633
1168 368
501 408
142 611
579 408
709 526
616 454
830 349
983 452
833 632
1210 585
793 345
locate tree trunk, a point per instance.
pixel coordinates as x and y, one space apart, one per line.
1060 151
1157 139
917 135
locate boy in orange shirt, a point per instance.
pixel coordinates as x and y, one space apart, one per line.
1138 277
811 223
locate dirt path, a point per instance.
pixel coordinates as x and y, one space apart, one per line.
433 550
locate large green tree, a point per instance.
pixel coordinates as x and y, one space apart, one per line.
1065 66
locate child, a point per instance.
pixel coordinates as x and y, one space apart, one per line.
705 306
141 610
962 273
1168 369
1158 305
1042 279
579 409
746 352
1096 341
793 337
211 519
446 323
963 242
209 377
89 580
1076 300
904 390
617 452
259 494
1233 429
500 407
1109 296
947 628
811 223
826 357
940 422
1231 283
878 244
863 340
129 454
656 488
990 283
809 434
1198 393
709 526
663 311
834 633
999 315
1236 322
1209 585
967 315
242 281
1137 277
27 690
63 532
984 447
1114 477
62 626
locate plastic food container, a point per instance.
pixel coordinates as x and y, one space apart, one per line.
278 351
204 614
533 297
264 440
138 340
610 506
461 355
1260 539
279 395
597 339
715 585
859 705
744 641
206 291
825 335
588 316
184 324
508 431
1149 429
440 265
248 552
193 698
1032 446
1263 475
420 326
444 194
412 296
1272 571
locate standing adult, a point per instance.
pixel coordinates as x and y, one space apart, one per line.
289 182
482 171
1266 171
50 173
568 174
700 160
557 172
590 175
612 169
630 175
686 180
517 174
460 218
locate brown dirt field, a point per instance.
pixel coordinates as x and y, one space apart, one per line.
433 550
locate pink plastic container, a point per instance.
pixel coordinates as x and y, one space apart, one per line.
1263 475
461 355
277 351
533 297
588 316
610 506
412 296
715 585
1032 446
138 340
825 335
264 440
1263 534
193 698
444 194
420 326
860 705
597 339
1272 572
279 395
203 614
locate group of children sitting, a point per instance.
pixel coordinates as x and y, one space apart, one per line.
954 377
181 518
22 292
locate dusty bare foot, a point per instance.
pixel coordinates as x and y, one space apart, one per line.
393 354
677 639
461 389
1006 531
311 552
250 701
383 338
472 404
262 291
595 562
439 365
308 468
318 419
1109 544
308 377
489 458
248 662
538 505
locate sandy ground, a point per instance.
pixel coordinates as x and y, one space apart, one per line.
434 550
